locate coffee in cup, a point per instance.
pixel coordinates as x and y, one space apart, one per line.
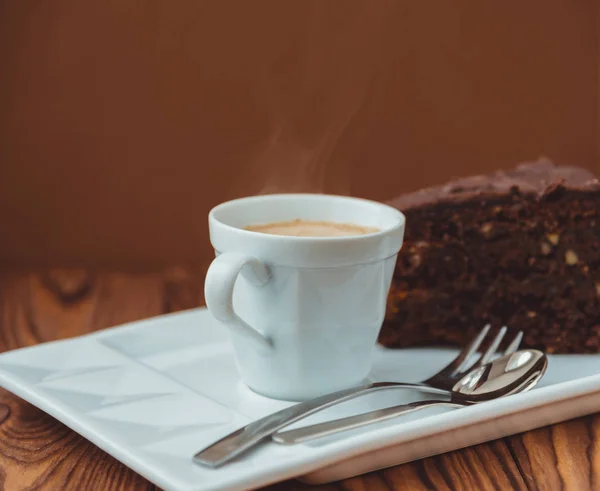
301 281
311 228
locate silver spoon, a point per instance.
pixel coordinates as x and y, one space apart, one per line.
509 374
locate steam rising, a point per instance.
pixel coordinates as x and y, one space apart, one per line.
320 81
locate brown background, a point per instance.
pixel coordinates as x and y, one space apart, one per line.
122 122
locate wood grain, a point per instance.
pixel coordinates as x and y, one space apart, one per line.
38 452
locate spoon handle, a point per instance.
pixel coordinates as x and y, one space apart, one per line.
311 432
232 445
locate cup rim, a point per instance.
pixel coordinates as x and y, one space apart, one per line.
400 223
308 252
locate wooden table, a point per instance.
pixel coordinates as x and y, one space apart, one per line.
38 452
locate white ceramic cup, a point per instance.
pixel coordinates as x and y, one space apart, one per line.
304 313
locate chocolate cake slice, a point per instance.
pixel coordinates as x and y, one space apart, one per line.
519 248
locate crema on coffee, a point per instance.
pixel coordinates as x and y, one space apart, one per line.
308 228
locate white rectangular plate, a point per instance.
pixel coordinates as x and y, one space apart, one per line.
154 392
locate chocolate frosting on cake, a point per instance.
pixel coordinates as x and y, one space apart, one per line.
537 178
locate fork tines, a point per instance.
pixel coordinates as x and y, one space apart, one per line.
465 360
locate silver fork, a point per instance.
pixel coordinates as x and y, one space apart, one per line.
454 371
247 437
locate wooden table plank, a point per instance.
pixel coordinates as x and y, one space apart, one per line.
38 452
563 456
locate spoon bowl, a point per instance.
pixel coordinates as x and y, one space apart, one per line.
509 374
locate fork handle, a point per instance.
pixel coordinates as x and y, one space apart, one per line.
328 428
247 437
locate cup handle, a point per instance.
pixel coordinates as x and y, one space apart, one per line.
218 292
